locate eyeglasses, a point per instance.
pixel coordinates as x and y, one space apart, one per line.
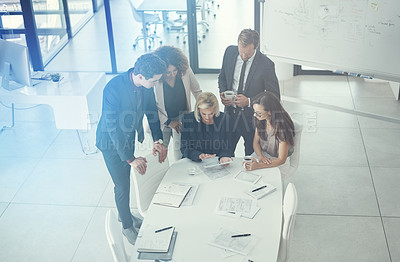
259 114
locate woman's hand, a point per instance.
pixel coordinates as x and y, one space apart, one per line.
252 165
203 156
176 125
225 160
264 160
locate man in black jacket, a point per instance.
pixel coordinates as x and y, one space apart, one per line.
247 72
126 98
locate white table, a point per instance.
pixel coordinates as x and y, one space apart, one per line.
195 224
76 100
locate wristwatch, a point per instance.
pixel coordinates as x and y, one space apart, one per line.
159 141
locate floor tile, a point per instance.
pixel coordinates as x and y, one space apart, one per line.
3 207
321 117
27 139
361 87
387 181
337 238
29 113
392 228
335 190
43 233
300 86
332 147
94 245
382 147
387 107
67 145
65 182
13 173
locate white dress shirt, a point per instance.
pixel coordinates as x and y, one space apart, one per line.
238 68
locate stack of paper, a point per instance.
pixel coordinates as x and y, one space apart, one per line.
171 194
242 245
154 239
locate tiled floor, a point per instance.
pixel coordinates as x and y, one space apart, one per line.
53 198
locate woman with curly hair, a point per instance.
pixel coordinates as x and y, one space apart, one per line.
274 135
173 94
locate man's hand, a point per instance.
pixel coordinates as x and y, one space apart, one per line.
225 101
176 125
225 159
241 100
140 164
162 152
205 156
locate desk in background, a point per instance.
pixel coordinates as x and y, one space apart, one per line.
195 224
76 100
159 5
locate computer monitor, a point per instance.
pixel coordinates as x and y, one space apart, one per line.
14 65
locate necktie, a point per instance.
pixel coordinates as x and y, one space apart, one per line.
241 79
139 112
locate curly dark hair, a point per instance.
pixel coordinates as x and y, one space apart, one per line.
149 65
280 119
173 56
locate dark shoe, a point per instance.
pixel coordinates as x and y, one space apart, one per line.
130 234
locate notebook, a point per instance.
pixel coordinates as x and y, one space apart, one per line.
150 241
261 190
161 255
171 194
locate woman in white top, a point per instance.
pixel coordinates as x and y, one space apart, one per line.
173 94
274 135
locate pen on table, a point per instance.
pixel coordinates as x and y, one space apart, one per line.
259 188
242 235
162 229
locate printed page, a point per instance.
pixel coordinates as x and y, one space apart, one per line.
242 245
237 207
215 172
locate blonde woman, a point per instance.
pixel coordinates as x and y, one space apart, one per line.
205 132
173 94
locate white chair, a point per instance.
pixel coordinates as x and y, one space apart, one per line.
114 237
149 19
295 157
289 216
147 184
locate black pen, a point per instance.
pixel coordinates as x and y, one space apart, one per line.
162 229
242 235
261 187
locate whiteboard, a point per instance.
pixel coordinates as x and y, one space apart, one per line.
358 36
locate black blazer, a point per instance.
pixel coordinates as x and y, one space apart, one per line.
196 140
261 77
120 118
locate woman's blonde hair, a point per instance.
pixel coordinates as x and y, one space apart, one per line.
205 100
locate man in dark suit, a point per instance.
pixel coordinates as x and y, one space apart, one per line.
126 98
247 72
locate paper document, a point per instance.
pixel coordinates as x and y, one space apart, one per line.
232 206
242 245
171 194
150 241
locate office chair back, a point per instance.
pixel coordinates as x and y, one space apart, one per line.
289 216
147 184
295 157
114 237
